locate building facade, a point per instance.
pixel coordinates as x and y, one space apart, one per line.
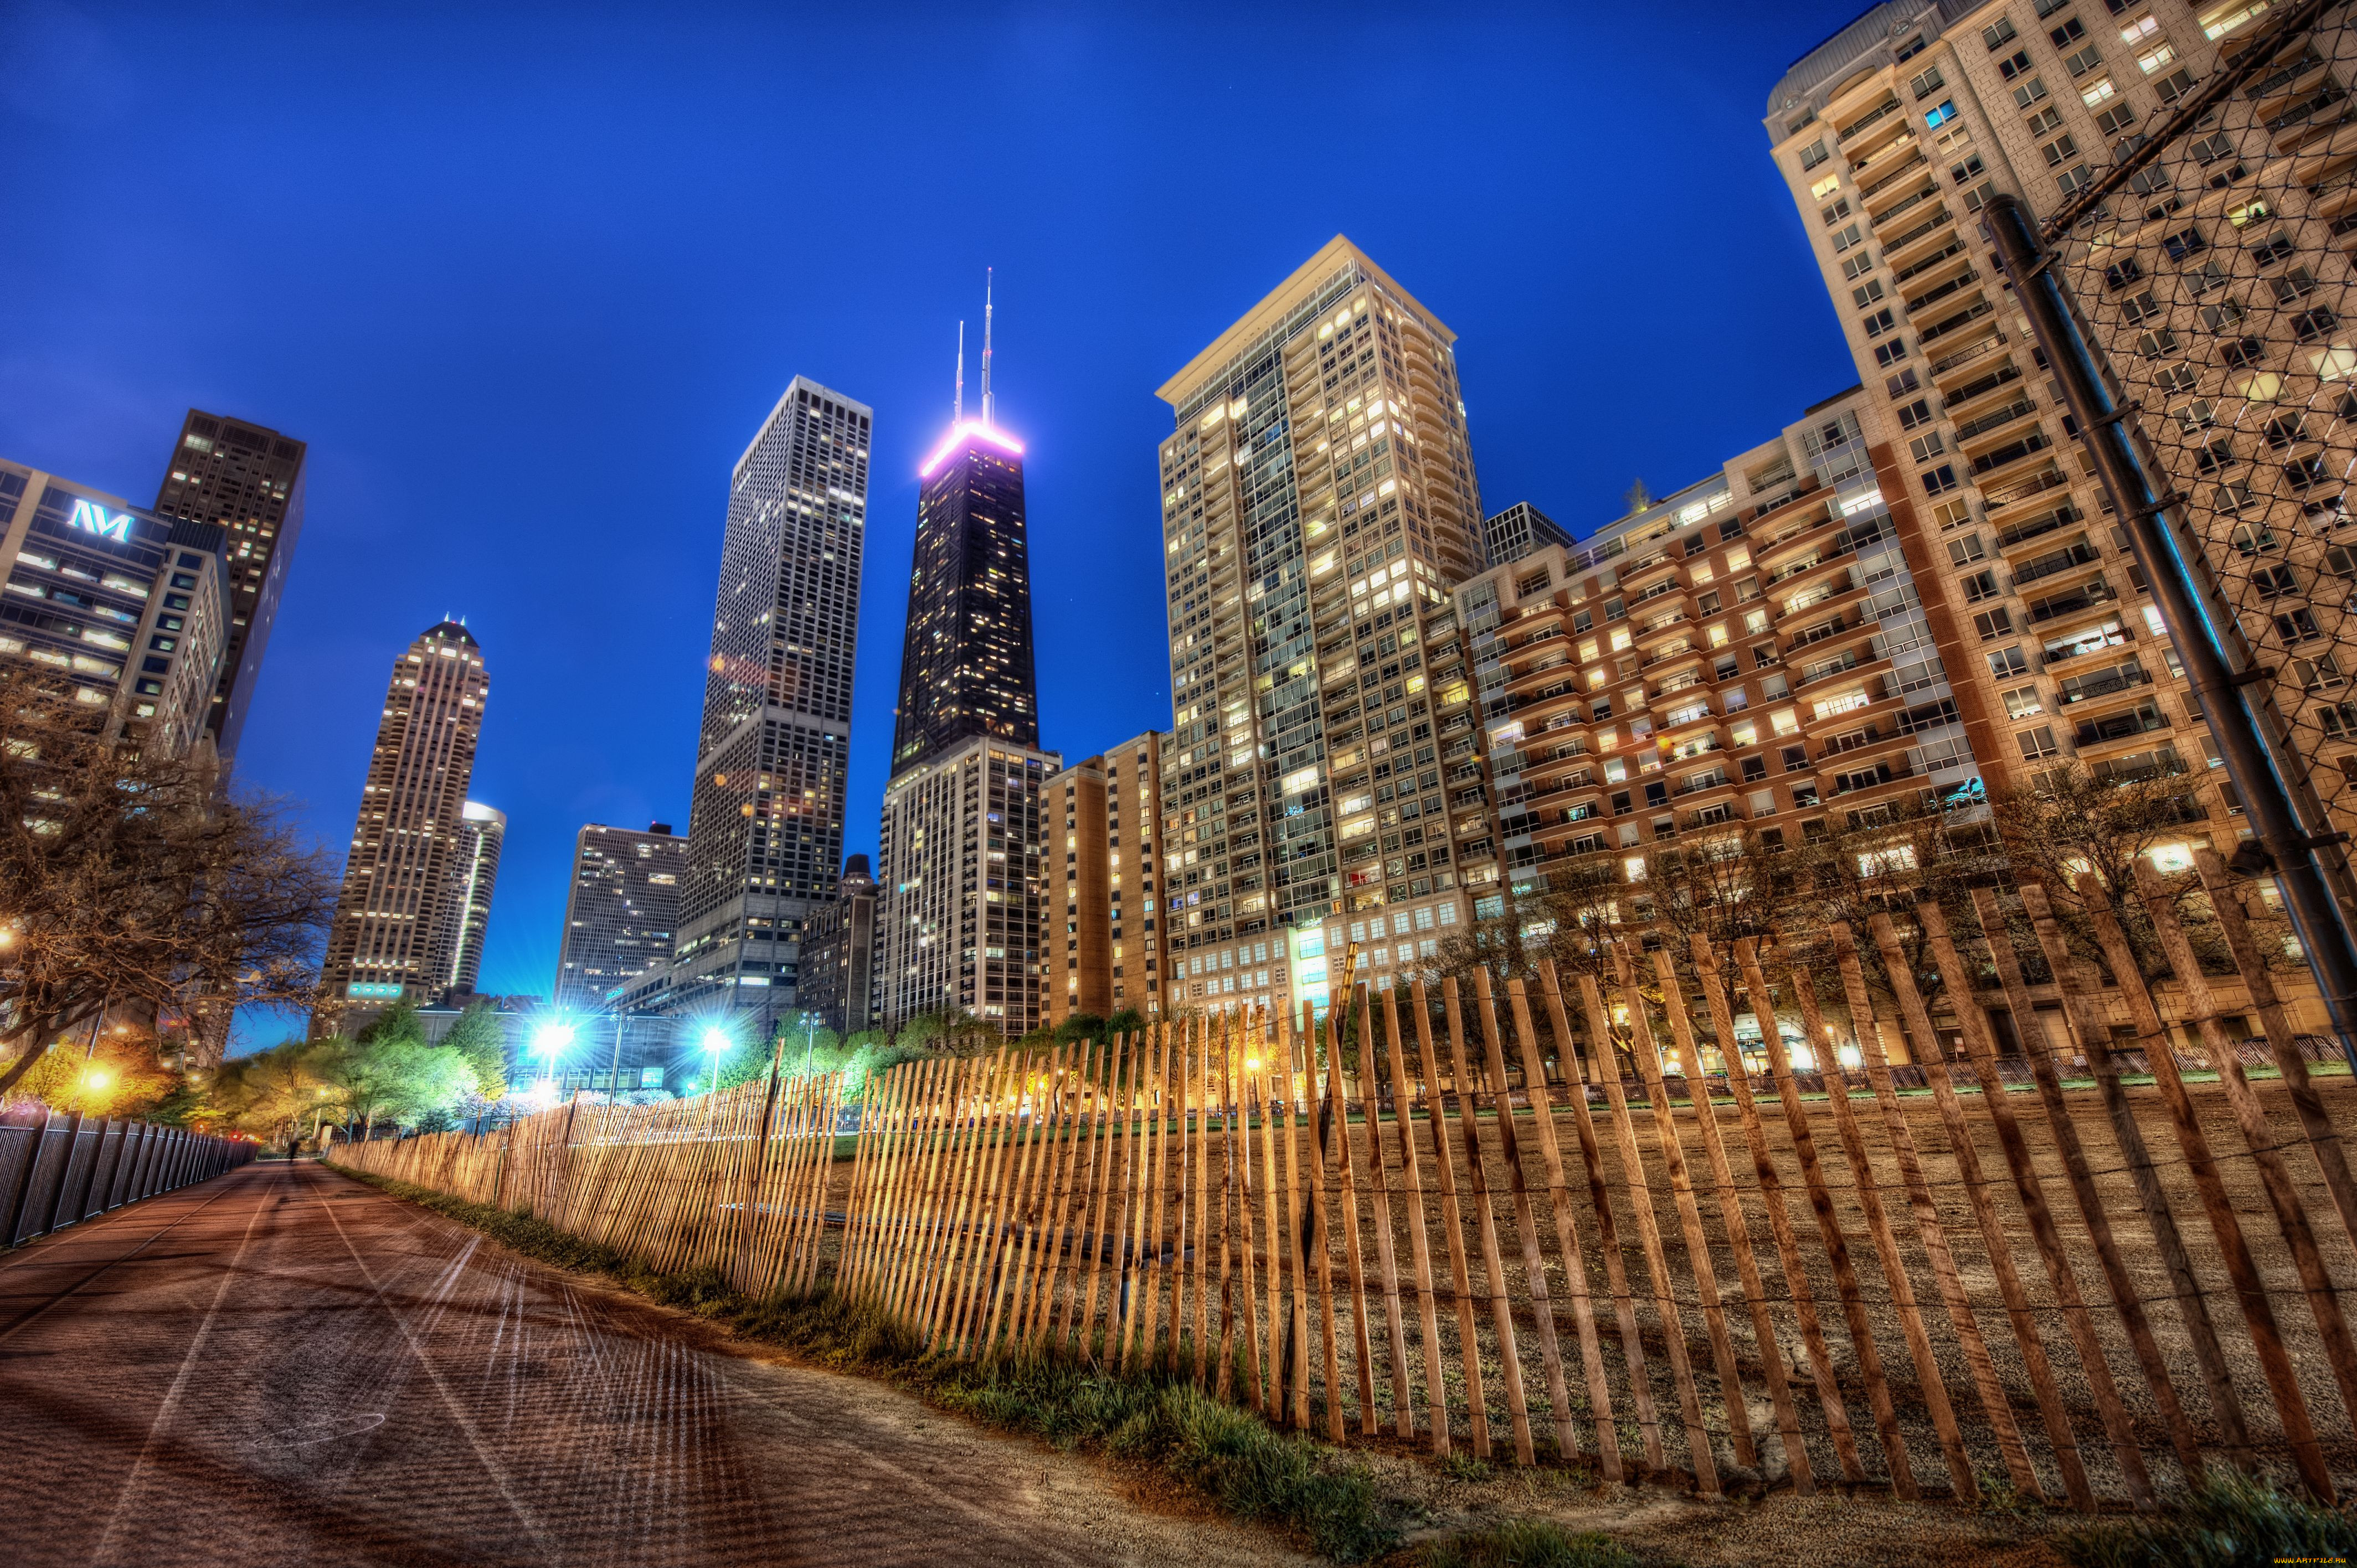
1518 531
965 658
960 875
621 913
464 921
1752 654
1100 941
126 610
408 832
1892 135
837 980
765 826
1319 503
247 481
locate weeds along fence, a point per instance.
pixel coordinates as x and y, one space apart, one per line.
58 1170
1605 1217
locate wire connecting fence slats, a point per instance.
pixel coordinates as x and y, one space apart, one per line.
1531 1213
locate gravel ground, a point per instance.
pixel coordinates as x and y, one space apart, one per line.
2331 1421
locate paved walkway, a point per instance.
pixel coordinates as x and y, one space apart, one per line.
283 1366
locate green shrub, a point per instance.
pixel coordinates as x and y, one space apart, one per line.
1530 1543
2228 1521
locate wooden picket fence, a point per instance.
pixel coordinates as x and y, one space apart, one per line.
1563 1217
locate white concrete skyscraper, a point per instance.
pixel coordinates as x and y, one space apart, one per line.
765 828
412 823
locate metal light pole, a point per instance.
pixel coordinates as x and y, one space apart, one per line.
2300 847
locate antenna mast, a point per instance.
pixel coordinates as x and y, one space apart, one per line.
985 346
957 404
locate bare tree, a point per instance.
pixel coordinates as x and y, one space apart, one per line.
131 882
2069 823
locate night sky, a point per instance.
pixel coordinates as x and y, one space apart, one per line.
527 281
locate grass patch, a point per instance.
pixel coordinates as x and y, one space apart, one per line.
2228 1521
1224 1454
1529 1543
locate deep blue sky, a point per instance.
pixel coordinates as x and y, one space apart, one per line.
527 280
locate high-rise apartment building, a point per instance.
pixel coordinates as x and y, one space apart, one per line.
960 870
1892 135
1319 503
765 824
410 826
965 659
247 481
464 919
837 977
1100 941
1518 531
621 912
124 610
1751 653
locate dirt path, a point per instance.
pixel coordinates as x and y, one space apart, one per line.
286 1367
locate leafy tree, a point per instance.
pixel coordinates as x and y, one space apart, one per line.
1127 1021
1080 1027
477 1038
280 1093
398 1022
130 880
399 1079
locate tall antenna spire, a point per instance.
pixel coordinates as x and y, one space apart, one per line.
957 404
985 346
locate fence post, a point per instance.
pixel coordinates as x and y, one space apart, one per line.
2285 815
18 1199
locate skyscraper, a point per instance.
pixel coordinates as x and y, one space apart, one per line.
1893 135
1099 946
959 847
249 480
965 658
1319 503
123 609
1520 530
837 976
622 911
765 824
465 918
410 826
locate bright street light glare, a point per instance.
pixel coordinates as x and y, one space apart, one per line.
551 1038
715 1040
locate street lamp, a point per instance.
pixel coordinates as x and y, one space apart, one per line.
810 1041
716 1044
549 1042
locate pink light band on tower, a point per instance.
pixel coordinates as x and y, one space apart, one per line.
972 430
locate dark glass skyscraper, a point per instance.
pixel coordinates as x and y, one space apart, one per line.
965 665
249 479
765 823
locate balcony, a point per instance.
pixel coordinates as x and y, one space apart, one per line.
1810 597
2080 553
2012 452
1716 779
1981 386
2095 640
1877 115
1955 323
1834 628
2088 596
1825 669
2140 720
1860 740
2021 534
2091 688
1916 269
2018 490
1885 178
1932 296
1913 200
1931 227
1966 355
2161 762
1872 778
1996 419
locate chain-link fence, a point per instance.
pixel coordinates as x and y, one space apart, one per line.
2210 269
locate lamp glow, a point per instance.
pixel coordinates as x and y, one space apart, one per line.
969 430
715 1040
